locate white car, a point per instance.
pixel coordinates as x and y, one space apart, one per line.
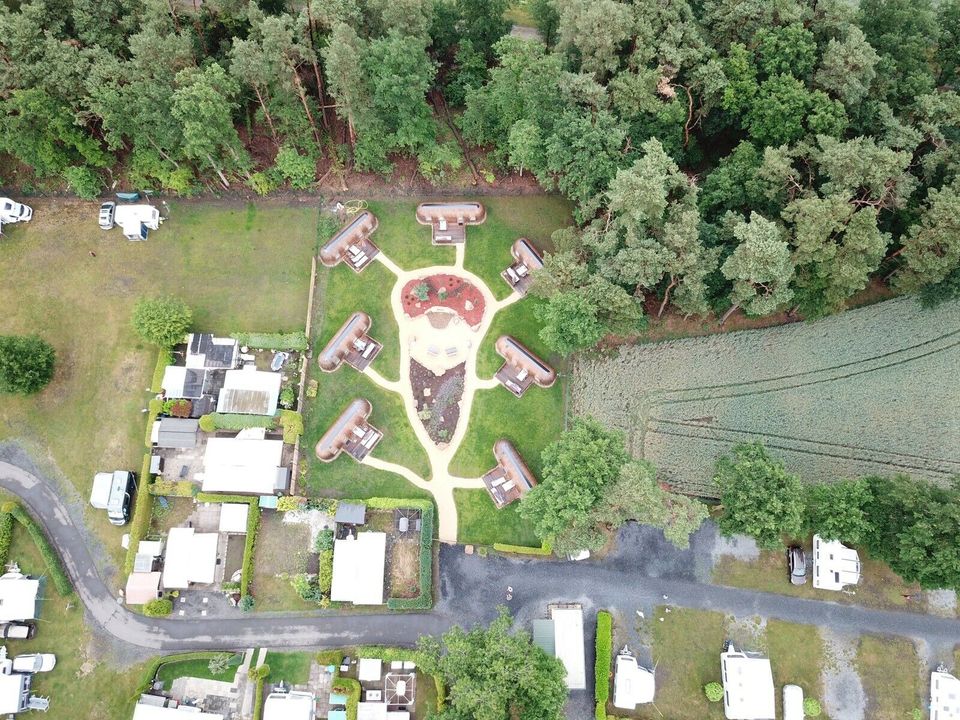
107 211
13 212
34 663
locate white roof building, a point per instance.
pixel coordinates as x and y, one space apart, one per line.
142 587
244 464
944 696
748 692
147 709
249 391
379 711
18 597
568 642
14 691
191 558
632 684
834 564
370 670
292 705
358 569
233 518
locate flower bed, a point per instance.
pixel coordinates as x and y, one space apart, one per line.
447 291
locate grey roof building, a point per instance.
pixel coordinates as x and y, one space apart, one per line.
351 513
178 433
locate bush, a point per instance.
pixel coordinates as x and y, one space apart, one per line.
164 358
811 707
421 291
258 675
291 502
544 550
306 588
351 688
246 603
263 183
330 657
49 555
713 691
273 341
84 182
601 667
26 364
6 536
292 423
172 488
324 541
288 397
235 421
299 170
325 577
142 513
161 607
162 321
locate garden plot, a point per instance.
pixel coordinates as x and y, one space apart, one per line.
868 391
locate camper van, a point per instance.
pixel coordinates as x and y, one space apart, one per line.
113 492
136 221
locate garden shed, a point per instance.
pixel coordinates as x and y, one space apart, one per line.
177 433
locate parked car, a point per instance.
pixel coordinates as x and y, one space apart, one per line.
34 663
797 562
12 212
107 212
17 631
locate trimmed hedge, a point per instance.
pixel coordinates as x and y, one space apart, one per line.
161 607
142 513
154 408
544 550
253 526
601 668
259 675
58 575
6 536
350 688
150 672
273 341
292 423
424 601
235 421
164 358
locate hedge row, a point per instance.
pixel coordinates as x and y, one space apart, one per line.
154 408
350 688
273 341
164 358
544 550
150 672
54 565
601 668
253 526
6 535
259 676
142 513
235 421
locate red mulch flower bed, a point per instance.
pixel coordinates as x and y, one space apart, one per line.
459 293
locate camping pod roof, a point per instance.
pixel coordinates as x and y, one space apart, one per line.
358 228
355 327
333 439
516 353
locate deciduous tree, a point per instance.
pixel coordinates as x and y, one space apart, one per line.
26 364
161 321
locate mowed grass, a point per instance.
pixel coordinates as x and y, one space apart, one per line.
281 551
61 630
879 586
168 672
518 321
403 239
240 267
890 671
481 523
291 668
796 654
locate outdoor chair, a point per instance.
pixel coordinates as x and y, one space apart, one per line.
514 278
451 351
522 270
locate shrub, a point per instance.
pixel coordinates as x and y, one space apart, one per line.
305 587
351 688
312 388
161 607
325 577
262 183
258 675
246 603
172 488
164 358
292 423
324 541
713 691
26 364
811 707
288 397
235 421
291 502
330 657
142 513
273 341
161 321
219 663
299 170
6 535
601 669
421 291
544 550
54 566
84 182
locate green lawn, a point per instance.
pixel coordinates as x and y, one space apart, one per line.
796 653
292 668
508 218
61 630
890 671
241 267
519 321
169 672
403 239
481 523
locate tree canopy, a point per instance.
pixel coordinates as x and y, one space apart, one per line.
26 364
161 321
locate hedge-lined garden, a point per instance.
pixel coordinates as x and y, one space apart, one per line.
142 514
253 526
601 668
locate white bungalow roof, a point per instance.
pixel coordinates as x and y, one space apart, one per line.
371 711
289 706
144 711
748 692
18 597
834 564
233 517
358 569
370 670
241 465
142 587
191 558
632 684
13 689
252 392
944 696
568 643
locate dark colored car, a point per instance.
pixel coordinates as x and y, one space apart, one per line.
797 563
17 630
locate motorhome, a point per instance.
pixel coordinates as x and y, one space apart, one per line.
113 492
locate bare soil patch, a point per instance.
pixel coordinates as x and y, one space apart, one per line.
405 568
438 399
447 291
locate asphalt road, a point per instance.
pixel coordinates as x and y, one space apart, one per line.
645 571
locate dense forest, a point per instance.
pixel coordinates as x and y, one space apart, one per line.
721 155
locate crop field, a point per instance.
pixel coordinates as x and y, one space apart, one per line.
869 391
